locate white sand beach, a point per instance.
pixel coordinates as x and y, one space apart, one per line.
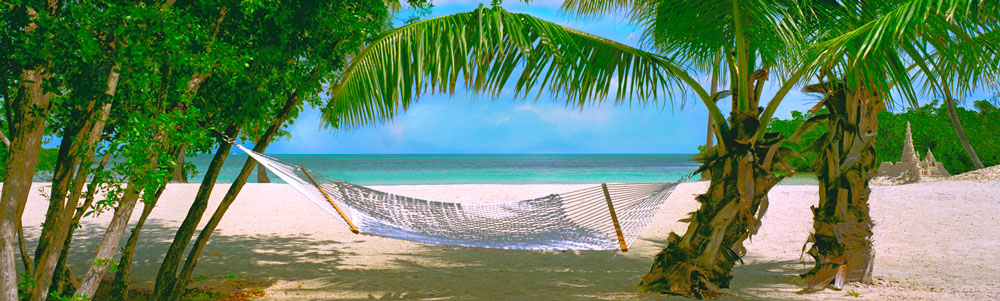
933 241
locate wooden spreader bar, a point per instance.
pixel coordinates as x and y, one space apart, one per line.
614 218
342 215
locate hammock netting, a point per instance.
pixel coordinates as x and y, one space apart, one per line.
577 220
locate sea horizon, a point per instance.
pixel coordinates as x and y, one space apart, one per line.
418 169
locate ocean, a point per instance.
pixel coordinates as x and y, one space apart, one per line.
475 169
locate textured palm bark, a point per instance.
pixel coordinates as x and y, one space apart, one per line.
842 227
700 263
30 110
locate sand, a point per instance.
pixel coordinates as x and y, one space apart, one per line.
933 241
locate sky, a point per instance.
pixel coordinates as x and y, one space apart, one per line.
466 123
471 124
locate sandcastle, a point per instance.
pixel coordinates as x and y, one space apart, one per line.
910 168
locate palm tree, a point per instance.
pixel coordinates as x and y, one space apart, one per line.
863 58
688 35
759 41
434 53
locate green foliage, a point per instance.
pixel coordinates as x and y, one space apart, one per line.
110 263
932 129
534 55
25 284
58 296
46 160
803 162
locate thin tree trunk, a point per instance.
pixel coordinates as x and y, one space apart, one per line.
3 138
119 287
262 174
76 152
957 124
27 136
168 268
179 176
707 174
63 279
177 289
106 249
25 258
842 227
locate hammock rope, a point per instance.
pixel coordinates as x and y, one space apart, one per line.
606 217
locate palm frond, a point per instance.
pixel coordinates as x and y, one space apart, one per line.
485 50
871 44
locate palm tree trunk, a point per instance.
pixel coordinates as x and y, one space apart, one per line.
950 102
700 263
707 174
842 227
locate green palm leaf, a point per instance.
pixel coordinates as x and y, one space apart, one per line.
486 50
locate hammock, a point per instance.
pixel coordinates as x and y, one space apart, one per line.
585 219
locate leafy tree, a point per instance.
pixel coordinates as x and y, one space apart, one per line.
932 131
788 128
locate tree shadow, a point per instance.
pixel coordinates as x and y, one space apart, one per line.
313 267
225 256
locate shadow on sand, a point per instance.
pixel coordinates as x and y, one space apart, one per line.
312 267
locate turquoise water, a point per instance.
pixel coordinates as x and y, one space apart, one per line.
476 169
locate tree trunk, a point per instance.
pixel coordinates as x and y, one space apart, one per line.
27 136
177 289
262 174
179 176
119 288
25 258
707 174
698 264
64 200
3 138
168 268
950 102
63 279
106 249
842 227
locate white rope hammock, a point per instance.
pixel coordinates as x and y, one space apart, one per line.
606 217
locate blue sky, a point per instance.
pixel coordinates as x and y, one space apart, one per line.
465 123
